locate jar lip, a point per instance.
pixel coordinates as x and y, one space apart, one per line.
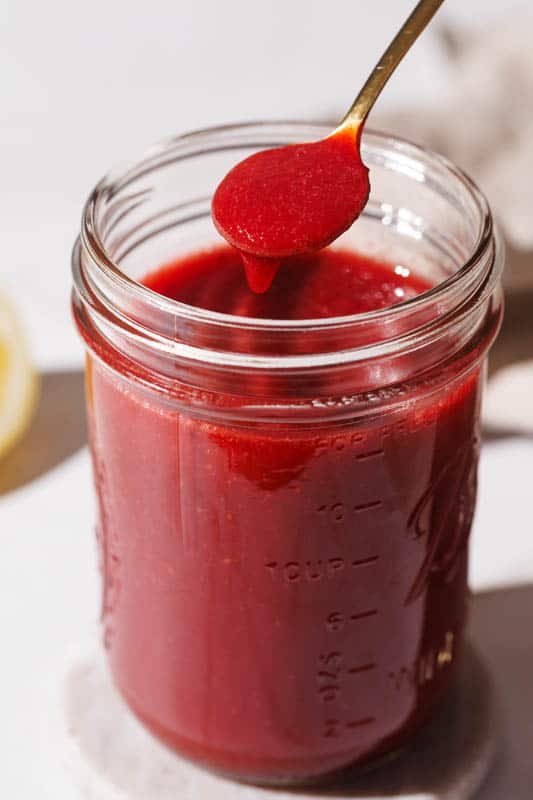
157 155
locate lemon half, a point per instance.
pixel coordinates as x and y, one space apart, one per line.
18 382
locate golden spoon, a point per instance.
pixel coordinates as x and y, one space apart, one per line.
299 198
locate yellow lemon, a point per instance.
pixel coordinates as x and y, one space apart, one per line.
18 382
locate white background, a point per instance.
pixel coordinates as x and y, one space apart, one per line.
82 86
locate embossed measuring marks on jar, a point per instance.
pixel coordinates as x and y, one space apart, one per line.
338 512
332 674
313 570
338 621
427 666
342 591
338 669
330 571
360 537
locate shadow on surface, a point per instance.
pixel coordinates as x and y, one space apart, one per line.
515 340
57 432
514 343
447 759
105 739
501 628
440 763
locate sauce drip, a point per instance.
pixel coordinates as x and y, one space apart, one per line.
328 283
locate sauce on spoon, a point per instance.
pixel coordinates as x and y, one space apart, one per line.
291 200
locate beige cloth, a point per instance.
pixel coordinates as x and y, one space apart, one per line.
486 126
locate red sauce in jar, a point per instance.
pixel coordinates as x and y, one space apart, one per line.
282 600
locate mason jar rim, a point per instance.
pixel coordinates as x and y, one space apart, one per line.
158 154
117 312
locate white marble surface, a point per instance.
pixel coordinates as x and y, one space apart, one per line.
108 755
85 85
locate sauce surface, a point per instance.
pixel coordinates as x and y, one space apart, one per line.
328 283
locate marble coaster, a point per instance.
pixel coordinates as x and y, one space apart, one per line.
108 755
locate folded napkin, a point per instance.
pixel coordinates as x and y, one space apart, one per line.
486 126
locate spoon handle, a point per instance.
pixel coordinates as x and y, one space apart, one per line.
402 42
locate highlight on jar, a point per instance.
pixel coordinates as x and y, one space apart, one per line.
286 329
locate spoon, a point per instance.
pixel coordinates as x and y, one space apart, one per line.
299 198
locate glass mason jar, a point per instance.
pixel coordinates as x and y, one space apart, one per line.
284 506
